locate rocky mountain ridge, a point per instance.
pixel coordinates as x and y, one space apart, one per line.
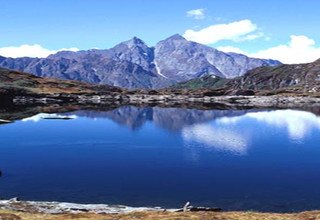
133 64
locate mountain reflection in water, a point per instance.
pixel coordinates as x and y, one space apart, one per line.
173 119
218 129
266 160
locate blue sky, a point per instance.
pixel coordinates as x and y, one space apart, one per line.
86 24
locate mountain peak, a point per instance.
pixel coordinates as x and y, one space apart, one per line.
135 41
176 37
317 61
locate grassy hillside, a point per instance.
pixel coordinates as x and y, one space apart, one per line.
209 81
18 83
305 77
296 78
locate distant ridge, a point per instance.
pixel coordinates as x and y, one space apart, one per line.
297 77
133 64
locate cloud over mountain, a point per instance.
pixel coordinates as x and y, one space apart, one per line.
300 49
242 30
34 50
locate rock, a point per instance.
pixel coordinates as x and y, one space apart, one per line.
4 121
153 92
63 208
217 92
186 207
245 92
15 199
205 209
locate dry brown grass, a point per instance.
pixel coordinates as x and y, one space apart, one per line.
314 215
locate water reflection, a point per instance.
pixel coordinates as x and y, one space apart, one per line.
297 123
223 130
41 116
219 129
172 119
234 159
214 137
233 134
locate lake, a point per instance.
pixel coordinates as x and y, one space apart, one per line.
263 160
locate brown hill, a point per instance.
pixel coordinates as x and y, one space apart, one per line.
14 83
302 78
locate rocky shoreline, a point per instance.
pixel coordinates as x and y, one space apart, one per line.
66 208
128 99
28 210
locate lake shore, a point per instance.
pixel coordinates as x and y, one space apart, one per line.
47 210
16 210
173 99
28 210
26 106
15 215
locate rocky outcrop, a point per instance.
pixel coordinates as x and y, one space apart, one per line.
62 207
174 99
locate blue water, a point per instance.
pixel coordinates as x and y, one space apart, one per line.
234 159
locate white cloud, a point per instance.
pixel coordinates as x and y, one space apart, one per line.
300 49
196 13
26 50
228 49
250 37
236 31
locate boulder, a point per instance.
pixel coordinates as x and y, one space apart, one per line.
244 92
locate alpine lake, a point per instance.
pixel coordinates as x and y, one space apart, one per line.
235 159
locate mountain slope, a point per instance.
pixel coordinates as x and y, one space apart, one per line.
304 77
208 81
132 64
299 77
14 83
180 59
